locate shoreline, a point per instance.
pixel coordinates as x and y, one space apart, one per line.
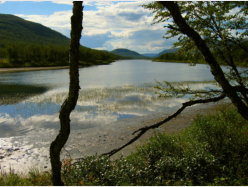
10 70
175 125
86 142
23 69
183 62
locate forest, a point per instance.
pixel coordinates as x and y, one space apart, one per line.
36 55
240 57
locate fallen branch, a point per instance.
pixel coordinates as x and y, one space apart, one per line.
156 125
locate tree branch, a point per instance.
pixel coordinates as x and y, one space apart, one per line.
240 89
173 28
156 125
208 56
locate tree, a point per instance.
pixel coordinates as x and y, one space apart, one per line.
71 100
214 30
208 28
3 54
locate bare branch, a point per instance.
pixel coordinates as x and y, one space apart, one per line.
156 125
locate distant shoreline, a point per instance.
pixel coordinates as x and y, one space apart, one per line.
20 69
181 61
9 70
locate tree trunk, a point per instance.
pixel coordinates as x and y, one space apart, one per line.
209 58
71 100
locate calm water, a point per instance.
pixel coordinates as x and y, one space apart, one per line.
121 90
129 72
30 102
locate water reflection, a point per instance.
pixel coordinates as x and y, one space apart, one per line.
109 95
95 107
15 93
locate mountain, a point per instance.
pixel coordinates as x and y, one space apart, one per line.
128 53
168 51
152 55
25 43
15 29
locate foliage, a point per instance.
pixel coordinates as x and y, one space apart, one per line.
240 58
222 25
173 56
178 90
20 54
34 177
172 50
207 29
211 152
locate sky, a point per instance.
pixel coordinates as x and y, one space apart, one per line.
107 25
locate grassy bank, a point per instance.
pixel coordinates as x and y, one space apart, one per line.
213 151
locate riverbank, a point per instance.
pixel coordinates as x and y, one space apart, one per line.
9 70
21 153
200 62
34 68
176 125
210 152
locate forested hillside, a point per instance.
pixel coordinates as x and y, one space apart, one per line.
15 29
129 54
240 57
25 43
167 51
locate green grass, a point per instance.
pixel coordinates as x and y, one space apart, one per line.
213 151
33 178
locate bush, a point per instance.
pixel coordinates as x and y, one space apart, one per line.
213 151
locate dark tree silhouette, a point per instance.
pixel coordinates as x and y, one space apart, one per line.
71 100
216 70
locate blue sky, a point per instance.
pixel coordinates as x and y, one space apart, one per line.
107 24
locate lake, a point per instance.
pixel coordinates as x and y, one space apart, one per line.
123 72
30 103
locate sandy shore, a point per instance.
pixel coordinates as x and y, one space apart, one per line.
4 70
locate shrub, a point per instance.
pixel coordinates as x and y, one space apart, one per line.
211 152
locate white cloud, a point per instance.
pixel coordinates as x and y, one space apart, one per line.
89 3
101 48
1 2
111 25
124 17
63 2
59 21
